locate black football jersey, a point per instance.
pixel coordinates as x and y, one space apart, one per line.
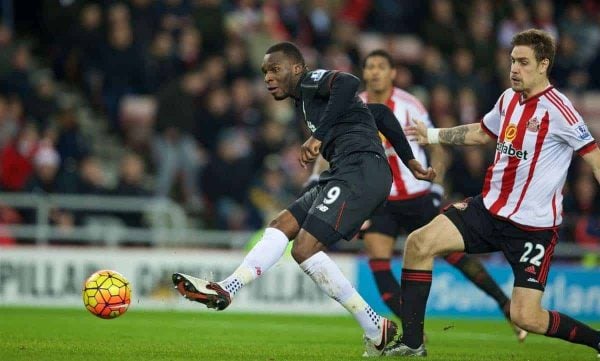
335 115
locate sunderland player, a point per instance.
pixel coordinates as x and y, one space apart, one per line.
536 130
412 203
345 133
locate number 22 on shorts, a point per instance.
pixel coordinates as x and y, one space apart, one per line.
533 254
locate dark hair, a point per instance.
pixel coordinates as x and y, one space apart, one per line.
379 52
540 41
289 49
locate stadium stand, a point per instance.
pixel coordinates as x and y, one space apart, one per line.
163 99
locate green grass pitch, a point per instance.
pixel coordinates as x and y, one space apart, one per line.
74 334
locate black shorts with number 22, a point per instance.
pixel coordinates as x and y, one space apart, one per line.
529 252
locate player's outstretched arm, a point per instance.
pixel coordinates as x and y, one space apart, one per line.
390 128
593 159
469 134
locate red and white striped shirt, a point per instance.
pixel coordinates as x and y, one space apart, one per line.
536 138
405 107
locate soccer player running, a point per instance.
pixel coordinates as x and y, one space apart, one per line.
412 203
344 132
519 210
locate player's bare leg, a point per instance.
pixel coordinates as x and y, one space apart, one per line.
308 252
438 237
264 255
472 268
526 311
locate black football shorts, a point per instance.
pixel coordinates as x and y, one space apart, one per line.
393 217
529 251
346 196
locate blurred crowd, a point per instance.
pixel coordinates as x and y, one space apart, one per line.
177 83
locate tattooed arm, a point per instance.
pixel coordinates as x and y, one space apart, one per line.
470 134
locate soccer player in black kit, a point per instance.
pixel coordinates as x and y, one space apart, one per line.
345 133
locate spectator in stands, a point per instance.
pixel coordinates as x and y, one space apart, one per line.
175 149
246 110
189 49
160 65
131 183
441 103
467 106
209 19
224 38
463 73
42 103
519 20
46 180
92 180
346 40
270 192
568 70
587 197
271 139
215 69
543 17
228 175
121 70
594 72
441 29
8 217
586 34
435 69
335 57
175 14
482 43
467 172
321 22
16 81
6 48
16 159
238 64
132 173
8 124
144 21
217 114
71 144
79 56
296 175
46 162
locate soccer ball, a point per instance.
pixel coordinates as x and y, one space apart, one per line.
106 294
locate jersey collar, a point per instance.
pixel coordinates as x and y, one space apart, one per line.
548 88
298 92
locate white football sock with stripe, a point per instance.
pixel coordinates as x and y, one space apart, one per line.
261 257
332 281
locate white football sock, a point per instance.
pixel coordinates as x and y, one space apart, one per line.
332 281
261 257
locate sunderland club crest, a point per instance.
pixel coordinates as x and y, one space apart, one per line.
533 124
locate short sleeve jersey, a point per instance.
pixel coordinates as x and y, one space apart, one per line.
536 138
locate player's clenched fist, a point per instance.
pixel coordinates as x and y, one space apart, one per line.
309 151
